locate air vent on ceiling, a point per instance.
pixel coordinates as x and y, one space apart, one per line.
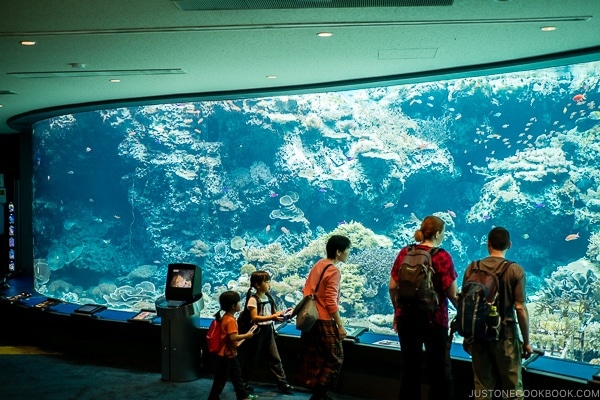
6 92
200 5
85 73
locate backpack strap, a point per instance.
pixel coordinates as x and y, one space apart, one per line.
271 301
504 267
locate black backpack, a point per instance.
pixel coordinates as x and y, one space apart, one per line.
478 295
244 320
415 289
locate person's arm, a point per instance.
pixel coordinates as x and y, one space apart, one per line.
235 336
331 280
277 316
523 318
340 325
523 314
393 289
452 293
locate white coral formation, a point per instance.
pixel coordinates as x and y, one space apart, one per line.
142 295
533 164
237 243
502 192
287 210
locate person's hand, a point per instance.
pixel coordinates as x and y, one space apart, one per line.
278 316
251 331
527 351
395 324
342 332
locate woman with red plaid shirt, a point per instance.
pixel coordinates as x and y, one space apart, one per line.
416 329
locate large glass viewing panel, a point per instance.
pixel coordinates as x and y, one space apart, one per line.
260 183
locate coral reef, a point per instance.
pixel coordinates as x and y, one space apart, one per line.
564 315
237 242
533 164
142 295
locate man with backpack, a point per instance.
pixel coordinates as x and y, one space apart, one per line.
423 279
496 354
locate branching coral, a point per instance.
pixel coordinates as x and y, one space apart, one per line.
272 254
352 286
569 301
375 263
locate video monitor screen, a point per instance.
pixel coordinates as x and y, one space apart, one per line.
184 282
182 278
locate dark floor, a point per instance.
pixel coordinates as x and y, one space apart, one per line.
32 373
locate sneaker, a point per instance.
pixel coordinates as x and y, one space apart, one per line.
252 397
285 388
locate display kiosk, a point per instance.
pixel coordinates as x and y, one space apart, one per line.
180 347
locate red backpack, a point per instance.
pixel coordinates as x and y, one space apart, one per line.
213 337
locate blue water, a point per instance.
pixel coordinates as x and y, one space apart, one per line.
121 193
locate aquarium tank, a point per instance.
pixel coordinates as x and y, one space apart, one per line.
245 184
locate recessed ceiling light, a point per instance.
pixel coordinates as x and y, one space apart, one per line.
27 42
115 80
324 34
271 76
1 106
548 28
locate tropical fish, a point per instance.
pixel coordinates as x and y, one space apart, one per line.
273 194
497 114
388 205
268 228
452 213
285 230
579 97
572 236
342 222
88 149
323 190
485 217
539 205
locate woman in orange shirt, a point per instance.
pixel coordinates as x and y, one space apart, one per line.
321 348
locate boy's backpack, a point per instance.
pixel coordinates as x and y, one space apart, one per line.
415 286
244 320
213 337
478 295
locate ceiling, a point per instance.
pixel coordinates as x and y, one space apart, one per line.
161 48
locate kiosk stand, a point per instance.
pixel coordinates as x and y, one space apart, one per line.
180 345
